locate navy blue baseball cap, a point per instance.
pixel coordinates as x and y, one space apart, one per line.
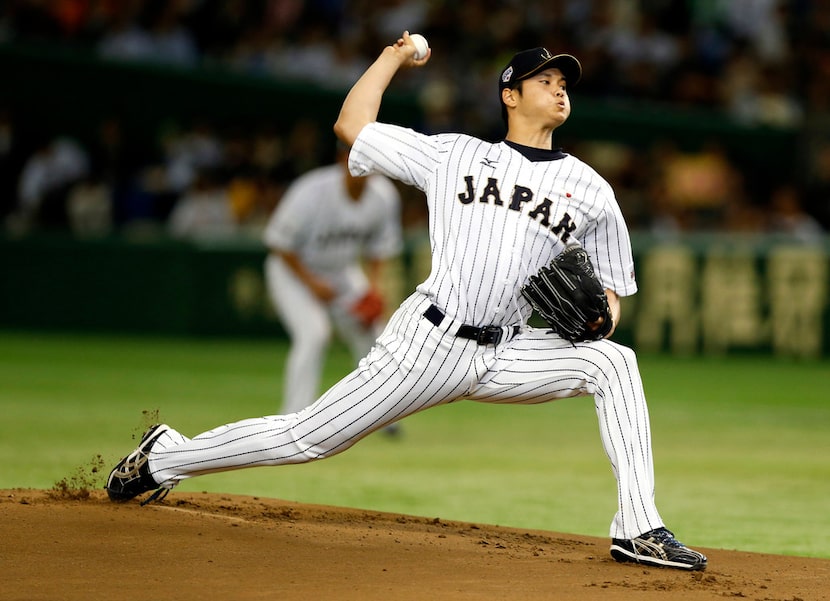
527 63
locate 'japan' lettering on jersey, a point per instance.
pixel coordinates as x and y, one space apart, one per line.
496 217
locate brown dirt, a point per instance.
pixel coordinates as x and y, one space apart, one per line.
61 546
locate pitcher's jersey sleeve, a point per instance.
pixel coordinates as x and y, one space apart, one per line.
606 239
399 152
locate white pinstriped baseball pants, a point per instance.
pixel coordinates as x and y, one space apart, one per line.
416 365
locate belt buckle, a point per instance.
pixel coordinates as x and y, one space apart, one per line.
489 335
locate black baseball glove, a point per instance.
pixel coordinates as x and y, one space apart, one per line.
569 297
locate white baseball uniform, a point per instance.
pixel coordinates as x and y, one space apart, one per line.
497 213
330 233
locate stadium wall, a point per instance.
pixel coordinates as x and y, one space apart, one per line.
698 294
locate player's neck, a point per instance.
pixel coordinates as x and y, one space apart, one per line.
535 137
536 154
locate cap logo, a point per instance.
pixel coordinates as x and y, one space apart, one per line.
546 55
508 73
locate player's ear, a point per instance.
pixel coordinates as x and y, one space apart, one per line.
508 97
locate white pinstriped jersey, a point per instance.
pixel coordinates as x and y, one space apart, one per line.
496 217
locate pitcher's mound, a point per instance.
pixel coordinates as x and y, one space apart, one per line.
210 546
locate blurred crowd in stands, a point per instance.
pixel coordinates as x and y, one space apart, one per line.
761 62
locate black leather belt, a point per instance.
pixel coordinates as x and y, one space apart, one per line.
486 335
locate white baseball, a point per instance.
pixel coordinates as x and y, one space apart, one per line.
421 46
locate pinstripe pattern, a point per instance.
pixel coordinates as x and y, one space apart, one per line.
486 248
495 218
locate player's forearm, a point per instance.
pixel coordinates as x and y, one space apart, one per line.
318 287
362 103
615 307
374 272
296 266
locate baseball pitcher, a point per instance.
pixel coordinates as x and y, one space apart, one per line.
504 220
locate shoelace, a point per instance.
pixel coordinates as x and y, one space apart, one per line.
158 495
134 462
666 537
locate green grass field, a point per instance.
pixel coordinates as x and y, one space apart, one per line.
741 444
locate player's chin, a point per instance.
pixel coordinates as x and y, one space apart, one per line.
559 115
554 123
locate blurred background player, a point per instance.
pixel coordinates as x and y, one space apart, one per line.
329 240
